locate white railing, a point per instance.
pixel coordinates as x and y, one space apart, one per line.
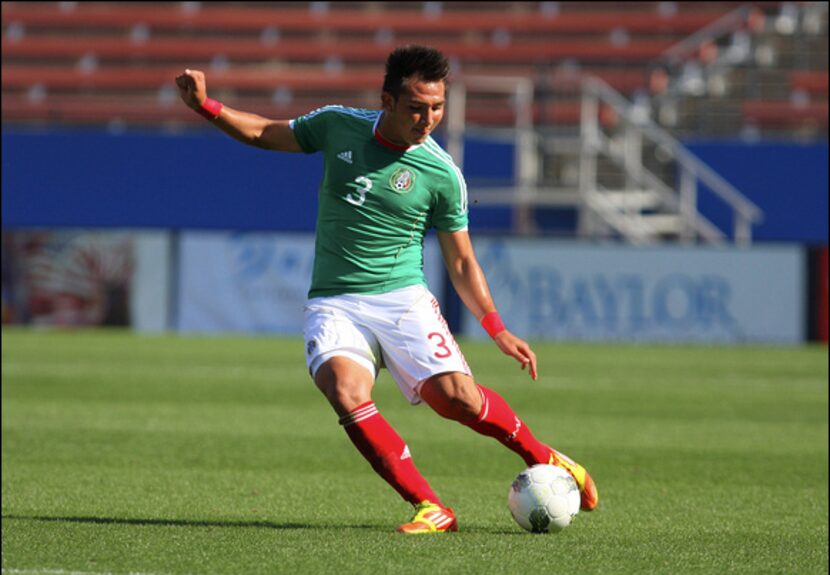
671 208
524 193
680 198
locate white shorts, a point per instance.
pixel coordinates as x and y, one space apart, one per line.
402 330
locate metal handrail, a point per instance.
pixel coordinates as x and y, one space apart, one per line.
726 23
746 211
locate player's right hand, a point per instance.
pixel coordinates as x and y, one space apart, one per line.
192 88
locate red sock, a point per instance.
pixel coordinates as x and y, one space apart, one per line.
498 420
384 449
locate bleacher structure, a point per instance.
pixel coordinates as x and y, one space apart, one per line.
596 95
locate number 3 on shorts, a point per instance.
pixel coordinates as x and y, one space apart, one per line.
442 344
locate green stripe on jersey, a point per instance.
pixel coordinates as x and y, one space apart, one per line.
375 204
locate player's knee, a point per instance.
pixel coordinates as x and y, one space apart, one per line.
345 388
453 396
466 406
346 396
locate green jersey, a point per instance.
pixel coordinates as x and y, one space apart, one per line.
376 203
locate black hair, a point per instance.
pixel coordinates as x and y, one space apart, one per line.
423 62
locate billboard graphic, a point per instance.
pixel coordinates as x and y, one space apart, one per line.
67 278
580 292
254 282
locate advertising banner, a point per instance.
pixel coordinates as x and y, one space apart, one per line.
78 277
67 277
662 294
255 282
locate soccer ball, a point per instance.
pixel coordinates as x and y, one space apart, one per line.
543 498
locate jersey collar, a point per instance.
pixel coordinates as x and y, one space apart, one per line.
386 143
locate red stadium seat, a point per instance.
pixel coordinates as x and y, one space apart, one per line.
363 51
810 81
118 78
786 114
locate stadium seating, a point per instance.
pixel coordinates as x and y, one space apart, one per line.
339 17
97 62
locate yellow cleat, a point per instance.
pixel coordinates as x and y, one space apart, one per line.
430 518
589 498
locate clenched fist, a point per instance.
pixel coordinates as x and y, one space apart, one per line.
192 88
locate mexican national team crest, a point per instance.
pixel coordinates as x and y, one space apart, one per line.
402 180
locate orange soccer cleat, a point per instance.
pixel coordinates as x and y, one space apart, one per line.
430 518
589 498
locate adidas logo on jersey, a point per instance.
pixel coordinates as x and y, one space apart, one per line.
345 156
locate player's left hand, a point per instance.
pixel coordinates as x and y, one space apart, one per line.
519 349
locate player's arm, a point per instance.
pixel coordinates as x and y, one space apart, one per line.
468 279
247 128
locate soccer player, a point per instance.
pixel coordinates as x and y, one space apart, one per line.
385 183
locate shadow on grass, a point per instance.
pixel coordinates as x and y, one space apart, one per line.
182 522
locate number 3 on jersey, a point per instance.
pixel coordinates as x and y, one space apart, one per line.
364 185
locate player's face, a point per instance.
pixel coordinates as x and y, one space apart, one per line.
413 116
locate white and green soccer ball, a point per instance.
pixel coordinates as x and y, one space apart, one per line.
543 498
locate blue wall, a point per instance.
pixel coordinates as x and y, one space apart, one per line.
158 181
207 180
787 181
194 180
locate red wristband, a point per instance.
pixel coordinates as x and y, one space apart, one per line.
210 109
492 323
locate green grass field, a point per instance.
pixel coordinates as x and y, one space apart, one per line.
170 455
